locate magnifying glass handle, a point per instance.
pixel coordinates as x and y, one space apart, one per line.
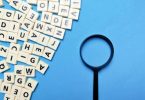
95 88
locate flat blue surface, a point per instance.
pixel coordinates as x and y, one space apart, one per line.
123 21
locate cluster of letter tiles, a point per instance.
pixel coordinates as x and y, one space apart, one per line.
39 37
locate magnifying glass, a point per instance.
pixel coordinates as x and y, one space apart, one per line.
93 67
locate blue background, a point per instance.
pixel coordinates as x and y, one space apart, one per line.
123 21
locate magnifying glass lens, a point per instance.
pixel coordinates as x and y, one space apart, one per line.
96 52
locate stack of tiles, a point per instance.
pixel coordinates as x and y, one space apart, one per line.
40 38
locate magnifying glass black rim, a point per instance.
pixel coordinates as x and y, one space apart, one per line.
97 68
